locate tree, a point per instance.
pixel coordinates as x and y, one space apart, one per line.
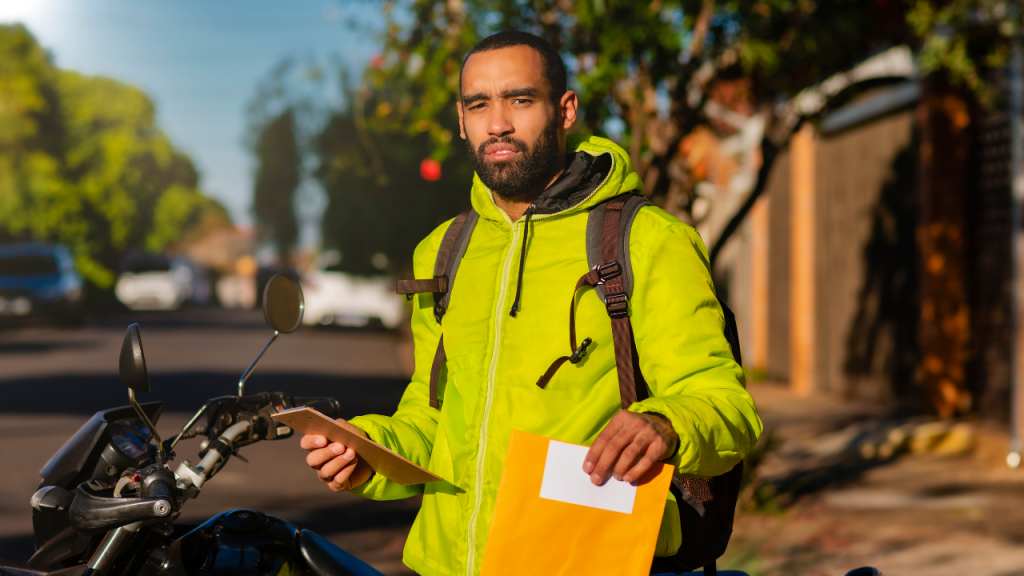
83 163
278 176
381 198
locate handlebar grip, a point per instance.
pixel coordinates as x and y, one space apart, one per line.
326 406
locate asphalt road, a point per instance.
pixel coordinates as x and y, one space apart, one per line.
52 380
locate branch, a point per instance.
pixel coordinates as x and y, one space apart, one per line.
700 29
768 153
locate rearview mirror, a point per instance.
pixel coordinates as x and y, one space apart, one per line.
283 305
132 368
132 364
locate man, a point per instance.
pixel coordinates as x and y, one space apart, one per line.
507 321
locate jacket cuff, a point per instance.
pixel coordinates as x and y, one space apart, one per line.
374 487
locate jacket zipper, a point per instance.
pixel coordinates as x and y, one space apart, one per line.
491 374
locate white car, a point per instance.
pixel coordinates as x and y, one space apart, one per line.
158 283
334 297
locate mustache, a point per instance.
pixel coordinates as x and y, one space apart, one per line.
519 144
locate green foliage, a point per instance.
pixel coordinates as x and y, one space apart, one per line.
377 201
962 38
278 176
83 163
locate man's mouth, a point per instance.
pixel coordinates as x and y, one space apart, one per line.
500 152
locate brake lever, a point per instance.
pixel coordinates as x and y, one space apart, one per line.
91 513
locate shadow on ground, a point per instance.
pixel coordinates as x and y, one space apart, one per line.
41 346
186 391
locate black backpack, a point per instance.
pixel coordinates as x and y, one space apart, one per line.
707 518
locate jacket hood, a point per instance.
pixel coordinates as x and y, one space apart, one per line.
596 169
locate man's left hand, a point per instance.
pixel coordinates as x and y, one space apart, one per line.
628 446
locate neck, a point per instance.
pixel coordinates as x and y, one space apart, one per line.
516 203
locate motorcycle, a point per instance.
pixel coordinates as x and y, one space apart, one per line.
109 498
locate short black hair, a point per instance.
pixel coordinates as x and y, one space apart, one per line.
554 68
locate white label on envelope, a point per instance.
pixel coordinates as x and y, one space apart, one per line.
565 481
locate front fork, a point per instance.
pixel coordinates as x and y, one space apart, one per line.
109 549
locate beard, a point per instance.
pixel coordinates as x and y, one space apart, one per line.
525 171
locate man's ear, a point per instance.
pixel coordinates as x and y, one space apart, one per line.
567 106
462 121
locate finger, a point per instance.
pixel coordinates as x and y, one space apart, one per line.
317 458
360 475
331 468
597 448
610 454
630 455
342 480
312 442
640 468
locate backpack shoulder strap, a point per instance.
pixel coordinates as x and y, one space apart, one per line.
595 251
446 265
612 242
611 276
595 221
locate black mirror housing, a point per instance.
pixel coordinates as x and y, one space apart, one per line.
132 364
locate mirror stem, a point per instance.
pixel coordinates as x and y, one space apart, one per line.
161 454
245 376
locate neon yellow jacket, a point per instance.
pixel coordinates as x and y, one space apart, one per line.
494 360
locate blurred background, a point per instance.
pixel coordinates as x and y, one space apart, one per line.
853 166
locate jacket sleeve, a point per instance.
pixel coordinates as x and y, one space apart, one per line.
410 431
684 355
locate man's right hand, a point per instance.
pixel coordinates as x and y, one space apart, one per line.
336 464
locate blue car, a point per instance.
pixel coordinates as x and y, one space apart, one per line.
39 280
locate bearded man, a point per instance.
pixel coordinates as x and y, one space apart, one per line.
506 321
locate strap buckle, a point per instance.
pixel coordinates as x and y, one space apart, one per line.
617 305
442 285
606 272
578 353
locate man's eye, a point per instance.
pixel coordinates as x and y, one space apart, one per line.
521 101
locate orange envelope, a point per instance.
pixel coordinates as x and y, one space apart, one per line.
549 519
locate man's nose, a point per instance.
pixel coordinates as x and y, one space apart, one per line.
499 124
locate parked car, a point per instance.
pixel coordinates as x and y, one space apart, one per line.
40 280
152 282
334 297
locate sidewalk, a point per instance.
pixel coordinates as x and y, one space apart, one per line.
945 505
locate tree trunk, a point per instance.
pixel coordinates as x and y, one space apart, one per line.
943 329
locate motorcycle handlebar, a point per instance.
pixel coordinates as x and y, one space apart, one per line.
326 406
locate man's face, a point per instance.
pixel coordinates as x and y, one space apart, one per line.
511 126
